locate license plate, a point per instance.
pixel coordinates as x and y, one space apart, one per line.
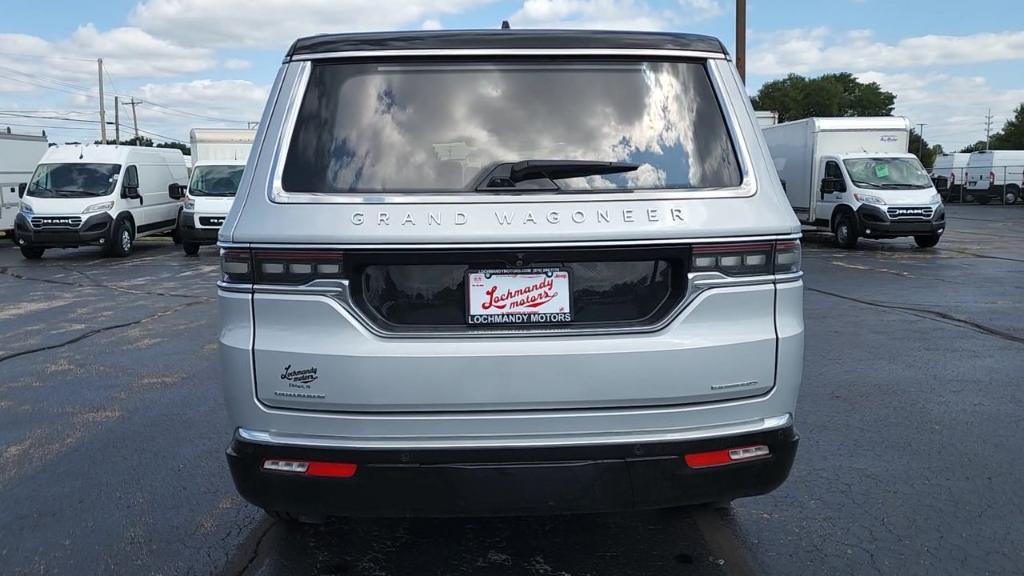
523 296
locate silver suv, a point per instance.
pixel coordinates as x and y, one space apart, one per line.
483 272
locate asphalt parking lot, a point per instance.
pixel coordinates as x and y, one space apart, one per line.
112 431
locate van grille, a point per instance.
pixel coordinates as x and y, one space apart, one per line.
58 222
425 291
211 221
910 213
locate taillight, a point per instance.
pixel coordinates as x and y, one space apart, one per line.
279 266
727 456
747 259
297 267
236 265
310 468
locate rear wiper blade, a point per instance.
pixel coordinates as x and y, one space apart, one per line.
508 174
556 169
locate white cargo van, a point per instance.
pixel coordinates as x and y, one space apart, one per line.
948 175
995 173
19 154
105 195
854 177
766 118
219 157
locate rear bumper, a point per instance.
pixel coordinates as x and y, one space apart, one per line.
515 480
873 222
194 235
91 231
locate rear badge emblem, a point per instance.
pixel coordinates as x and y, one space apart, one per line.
299 378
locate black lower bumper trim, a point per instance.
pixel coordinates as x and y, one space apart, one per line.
91 231
509 481
875 223
193 235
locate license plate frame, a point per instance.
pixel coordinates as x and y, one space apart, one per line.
521 296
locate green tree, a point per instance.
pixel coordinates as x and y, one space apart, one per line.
925 152
979 145
1011 137
838 94
183 147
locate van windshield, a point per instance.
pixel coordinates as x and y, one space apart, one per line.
896 173
73 180
215 180
423 127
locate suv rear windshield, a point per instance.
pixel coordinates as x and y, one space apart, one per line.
437 126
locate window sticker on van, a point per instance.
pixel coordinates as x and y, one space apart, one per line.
882 170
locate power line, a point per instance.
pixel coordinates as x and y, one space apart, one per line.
46 56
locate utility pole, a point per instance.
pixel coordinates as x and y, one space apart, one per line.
988 128
741 39
920 142
135 119
103 113
117 122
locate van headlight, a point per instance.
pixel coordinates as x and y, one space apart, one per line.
101 207
869 199
935 199
190 204
25 207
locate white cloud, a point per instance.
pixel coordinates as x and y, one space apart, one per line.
697 10
198 103
237 64
953 107
810 49
593 14
234 23
431 24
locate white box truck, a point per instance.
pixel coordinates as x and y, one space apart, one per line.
995 173
766 118
218 160
854 178
19 154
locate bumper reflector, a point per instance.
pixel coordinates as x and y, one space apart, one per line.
323 469
728 456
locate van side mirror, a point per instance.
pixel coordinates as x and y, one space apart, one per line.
830 185
21 189
176 191
130 192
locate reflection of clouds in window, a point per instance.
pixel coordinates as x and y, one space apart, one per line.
412 129
646 176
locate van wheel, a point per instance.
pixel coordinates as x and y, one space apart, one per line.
123 241
845 230
191 248
927 240
32 252
983 199
1011 195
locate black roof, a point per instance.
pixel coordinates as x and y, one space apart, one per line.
504 39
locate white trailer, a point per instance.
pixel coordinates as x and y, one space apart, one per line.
218 159
854 178
19 154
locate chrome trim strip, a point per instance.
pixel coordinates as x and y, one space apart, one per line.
510 52
518 441
277 194
515 245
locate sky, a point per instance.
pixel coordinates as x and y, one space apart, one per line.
209 63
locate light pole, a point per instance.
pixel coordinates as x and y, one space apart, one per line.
920 143
741 39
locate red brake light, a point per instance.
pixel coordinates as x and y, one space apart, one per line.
727 456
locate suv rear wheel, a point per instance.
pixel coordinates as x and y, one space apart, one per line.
32 252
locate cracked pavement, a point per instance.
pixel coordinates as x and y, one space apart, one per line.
112 431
